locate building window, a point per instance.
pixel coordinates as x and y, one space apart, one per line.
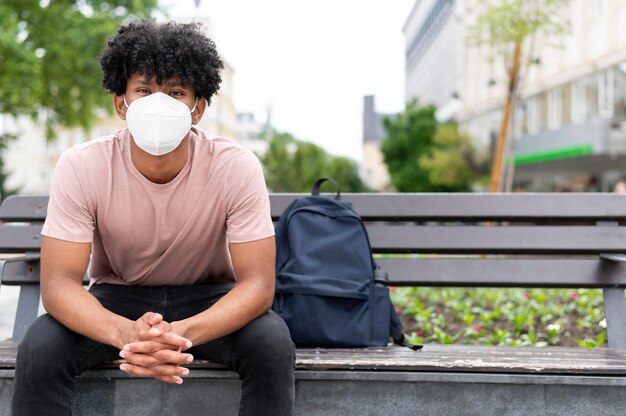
566 104
599 8
534 118
519 120
619 102
579 107
555 104
606 93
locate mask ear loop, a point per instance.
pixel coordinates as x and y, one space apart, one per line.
194 108
125 103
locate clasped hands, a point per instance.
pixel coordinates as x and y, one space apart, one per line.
153 349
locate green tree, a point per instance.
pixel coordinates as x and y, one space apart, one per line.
509 28
292 165
409 137
49 57
451 162
4 191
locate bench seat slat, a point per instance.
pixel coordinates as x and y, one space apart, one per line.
466 358
507 239
507 272
448 358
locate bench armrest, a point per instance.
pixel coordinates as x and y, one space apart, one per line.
22 270
19 270
616 257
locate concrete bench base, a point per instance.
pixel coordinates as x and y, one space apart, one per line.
348 393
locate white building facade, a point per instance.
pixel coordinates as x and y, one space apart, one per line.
569 126
433 55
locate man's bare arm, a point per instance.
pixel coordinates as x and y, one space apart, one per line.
251 297
63 265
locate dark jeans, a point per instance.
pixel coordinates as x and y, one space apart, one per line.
51 356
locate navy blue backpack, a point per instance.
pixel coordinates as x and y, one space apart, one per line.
328 288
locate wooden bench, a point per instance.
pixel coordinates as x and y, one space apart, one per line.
469 240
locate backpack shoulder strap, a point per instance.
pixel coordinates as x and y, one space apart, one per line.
396 331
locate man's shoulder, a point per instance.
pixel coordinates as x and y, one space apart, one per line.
213 143
92 158
222 150
99 145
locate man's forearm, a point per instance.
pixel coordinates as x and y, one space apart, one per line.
244 303
68 302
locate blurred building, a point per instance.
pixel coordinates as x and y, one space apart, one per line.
433 59
252 134
432 76
373 171
220 118
569 126
30 159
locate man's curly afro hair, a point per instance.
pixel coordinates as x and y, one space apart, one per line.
166 51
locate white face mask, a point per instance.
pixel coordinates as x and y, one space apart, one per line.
158 122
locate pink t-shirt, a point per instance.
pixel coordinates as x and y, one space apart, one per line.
151 234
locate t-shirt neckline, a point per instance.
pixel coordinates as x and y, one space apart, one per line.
148 182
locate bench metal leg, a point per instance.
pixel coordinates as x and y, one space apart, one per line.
27 308
615 313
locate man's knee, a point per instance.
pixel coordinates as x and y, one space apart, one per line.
267 340
43 347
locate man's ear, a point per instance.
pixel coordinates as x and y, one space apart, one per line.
120 107
196 116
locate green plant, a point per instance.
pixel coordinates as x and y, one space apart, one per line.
515 317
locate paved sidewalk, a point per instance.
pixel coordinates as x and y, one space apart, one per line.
8 303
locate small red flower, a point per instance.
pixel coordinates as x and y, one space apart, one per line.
527 295
419 333
573 295
392 288
478 329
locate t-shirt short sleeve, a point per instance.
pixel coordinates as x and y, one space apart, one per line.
248 216
69 217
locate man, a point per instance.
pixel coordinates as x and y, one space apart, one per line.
176 232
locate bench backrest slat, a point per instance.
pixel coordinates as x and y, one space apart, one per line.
410 238
17 208
20 238
497 272
477 206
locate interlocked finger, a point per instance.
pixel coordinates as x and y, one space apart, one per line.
167 373
149 347
156 358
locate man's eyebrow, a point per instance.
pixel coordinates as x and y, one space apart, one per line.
174 83
171 83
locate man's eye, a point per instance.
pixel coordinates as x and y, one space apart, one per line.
176 94
143 91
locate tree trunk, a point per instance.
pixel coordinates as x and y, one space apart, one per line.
496 169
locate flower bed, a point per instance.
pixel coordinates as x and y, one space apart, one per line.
514 317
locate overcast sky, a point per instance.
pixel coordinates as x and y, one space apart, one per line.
311 61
